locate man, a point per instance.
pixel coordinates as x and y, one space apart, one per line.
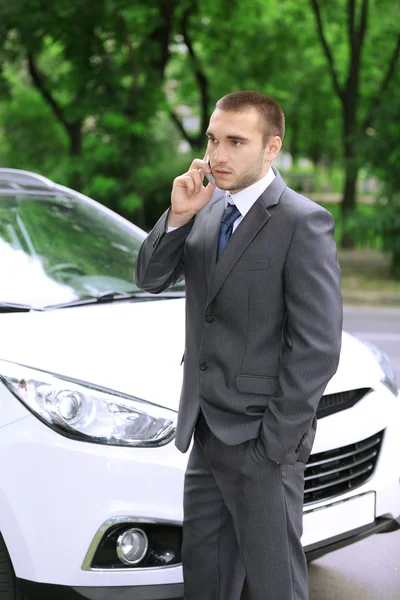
263 335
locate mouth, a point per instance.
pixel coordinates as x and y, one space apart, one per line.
221 172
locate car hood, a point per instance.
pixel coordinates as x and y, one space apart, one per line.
134 347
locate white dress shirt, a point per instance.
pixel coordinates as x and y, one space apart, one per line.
245 199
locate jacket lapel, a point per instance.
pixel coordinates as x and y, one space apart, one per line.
251 224
211 236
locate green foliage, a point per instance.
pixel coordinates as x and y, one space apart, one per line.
99 69
382 147
30 138
131 202
87 90
380 228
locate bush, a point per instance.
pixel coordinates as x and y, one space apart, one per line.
379 228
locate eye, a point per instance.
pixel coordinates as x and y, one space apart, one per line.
212 140
236 143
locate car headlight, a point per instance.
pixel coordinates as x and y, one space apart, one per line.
389 378
88 413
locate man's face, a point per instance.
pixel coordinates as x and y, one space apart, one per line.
235 148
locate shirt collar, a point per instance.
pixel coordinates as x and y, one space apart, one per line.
245 199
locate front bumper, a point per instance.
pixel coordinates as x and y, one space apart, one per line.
32 590
383 524
46 591
55 494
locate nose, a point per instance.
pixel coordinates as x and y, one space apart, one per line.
220 155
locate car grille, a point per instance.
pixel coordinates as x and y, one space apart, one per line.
331 403
341 470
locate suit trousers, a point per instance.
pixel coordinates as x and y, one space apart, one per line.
242 519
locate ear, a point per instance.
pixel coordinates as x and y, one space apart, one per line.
273 148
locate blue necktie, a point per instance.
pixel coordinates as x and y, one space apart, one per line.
229 217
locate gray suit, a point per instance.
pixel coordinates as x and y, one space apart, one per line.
263 335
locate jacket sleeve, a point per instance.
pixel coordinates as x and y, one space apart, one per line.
159 263
312 341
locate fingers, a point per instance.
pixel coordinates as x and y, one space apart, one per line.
187 182
200 164
192 180
198 177
188 192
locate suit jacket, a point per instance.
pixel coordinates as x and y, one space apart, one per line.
263 324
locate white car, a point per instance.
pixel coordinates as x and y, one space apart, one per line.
90 373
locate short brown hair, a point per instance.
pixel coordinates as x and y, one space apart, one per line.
270 112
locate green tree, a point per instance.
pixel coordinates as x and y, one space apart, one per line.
100 69
29 136
260 47
381 226
277 49
372 43
108 75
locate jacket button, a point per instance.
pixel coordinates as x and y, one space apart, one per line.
203 366
209 318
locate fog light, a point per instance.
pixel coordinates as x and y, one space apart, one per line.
132 546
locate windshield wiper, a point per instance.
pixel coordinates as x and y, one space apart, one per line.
12 307
114 296
109 296
104 297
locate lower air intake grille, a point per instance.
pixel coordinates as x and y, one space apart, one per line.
331 403
335 472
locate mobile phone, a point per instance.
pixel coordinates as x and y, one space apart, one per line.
209 176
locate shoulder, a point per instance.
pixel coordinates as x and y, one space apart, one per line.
291 205
298 206
298 213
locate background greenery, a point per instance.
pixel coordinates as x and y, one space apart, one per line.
112 97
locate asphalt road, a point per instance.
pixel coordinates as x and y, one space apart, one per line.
370 569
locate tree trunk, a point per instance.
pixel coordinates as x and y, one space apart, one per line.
139 218
75 151
294 142
349 204
395 264
351 166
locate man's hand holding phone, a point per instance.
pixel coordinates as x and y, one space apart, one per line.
189 195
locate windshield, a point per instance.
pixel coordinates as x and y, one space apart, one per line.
58 248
